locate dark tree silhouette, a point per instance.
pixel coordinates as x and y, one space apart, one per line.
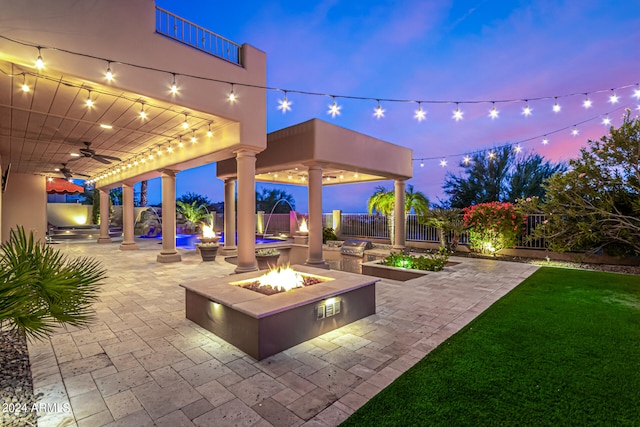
269 197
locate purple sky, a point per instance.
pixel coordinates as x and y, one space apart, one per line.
434 51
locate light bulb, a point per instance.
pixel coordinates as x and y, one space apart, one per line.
517 148
379 111
421 163
150 156
135 162
636 93
39 61
492 155
556 108
193 137
526 111
545 141
109 73
420 113
606 121
334 109
180 143
89 101
209 132
284 104
457 114
575 131
143 114
614 98
25 86
174 86
587 103
494 113
443 163
466 159
185 124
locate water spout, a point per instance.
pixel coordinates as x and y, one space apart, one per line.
264 234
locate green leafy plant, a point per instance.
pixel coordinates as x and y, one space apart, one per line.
267 252
382 201
493 226
431 261
193 212
41 288
328 234
446 221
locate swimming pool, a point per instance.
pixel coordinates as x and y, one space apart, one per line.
189 241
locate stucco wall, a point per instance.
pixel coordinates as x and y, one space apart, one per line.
68 214
25 203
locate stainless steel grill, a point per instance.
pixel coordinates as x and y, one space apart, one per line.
355 247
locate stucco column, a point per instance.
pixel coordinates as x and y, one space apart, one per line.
127 218
104 216
315 218
246 166
399 220
168 252
229 218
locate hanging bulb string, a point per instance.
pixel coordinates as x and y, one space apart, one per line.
304 92
522 141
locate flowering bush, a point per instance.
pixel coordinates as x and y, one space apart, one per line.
493 226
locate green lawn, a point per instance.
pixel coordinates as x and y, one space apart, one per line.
563 348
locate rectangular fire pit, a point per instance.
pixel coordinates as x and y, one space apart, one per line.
263 325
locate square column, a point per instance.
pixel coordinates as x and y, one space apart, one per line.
400 215
128 220
229 247
104 216
246 167
315 258
168 252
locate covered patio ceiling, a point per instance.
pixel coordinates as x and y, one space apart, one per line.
345 156
46 126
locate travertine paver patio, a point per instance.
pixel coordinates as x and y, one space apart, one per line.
142 363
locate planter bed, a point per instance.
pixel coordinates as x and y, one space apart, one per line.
374 268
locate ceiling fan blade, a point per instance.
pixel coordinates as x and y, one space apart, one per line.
101 160
81 174
104 156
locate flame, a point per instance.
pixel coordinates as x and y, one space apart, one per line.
207 231
303 226
284 278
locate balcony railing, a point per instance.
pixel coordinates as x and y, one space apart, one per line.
197 37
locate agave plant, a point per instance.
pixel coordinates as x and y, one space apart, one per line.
41 288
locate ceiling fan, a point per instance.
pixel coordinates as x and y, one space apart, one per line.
68 173
90 153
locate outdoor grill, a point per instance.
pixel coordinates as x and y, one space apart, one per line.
355 247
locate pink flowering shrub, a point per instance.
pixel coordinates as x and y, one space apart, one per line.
493 226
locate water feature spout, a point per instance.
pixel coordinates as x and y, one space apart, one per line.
264 234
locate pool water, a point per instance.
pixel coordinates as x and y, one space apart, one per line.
189 241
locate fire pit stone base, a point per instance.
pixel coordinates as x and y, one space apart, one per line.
263 325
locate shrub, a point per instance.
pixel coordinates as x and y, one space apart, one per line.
328 234
267 252
40 288
431 261
493 226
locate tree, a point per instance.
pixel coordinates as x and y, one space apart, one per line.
273 200
596 205
446 221
190 198
382 201
144 192
40 288
193 212
499 175
115 196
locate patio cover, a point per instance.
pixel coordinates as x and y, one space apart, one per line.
62 186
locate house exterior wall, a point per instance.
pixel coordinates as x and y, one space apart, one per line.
25 203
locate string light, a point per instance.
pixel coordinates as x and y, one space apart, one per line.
517 148
180 143
334 109
232 95
492 155
185 124
143 114
193 137
636 92
613 98
169 148
545 140
109 74
606 121
159 150
443 163
25 86
285 104
150 156
556 106
420 113
494 113
209 132
378 112
89 101
466 159
587 102
526 111
143 160
421 163
39 60
174 86
135 162
575 131
457 114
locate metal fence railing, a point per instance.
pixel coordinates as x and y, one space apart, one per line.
197 37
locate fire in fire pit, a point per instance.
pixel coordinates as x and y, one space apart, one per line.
280 279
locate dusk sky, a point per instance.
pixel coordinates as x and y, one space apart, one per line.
445 51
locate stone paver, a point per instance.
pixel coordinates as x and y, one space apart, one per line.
142 363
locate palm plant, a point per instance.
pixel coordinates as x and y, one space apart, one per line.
193 212
446 221
40 288
383 202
